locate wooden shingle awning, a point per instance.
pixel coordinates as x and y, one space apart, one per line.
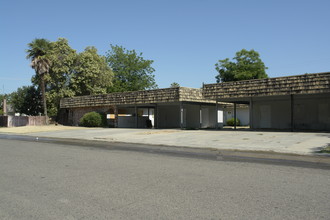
169 95
316 83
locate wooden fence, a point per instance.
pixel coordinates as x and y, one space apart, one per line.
16 121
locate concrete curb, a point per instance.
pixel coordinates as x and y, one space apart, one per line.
319 161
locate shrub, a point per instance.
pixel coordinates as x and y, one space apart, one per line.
231 121
325 149
104 120
91 119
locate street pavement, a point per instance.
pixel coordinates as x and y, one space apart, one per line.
56 181
302 143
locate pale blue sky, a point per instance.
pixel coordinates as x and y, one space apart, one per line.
184 38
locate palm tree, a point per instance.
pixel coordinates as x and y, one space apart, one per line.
38 53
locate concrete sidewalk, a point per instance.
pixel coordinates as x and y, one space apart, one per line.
282 142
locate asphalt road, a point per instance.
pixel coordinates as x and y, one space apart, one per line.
59 181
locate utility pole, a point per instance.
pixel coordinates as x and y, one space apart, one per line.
4 101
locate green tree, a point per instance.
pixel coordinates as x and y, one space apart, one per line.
2 97
92 75
38 53
246 65
131 71
26 100
72 74
57 79
63 59
175 85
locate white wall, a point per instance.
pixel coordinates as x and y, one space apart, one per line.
243 114
208 117
151 114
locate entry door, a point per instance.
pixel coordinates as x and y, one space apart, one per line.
204 118
265 116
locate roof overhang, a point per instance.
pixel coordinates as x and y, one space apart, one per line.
146 97
318 83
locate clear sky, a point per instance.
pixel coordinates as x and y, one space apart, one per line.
185 38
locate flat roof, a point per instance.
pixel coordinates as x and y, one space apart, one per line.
315 83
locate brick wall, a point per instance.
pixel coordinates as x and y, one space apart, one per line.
75 114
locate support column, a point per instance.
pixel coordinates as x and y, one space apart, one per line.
292 112
200 116
115 112
136 117
71 117
251 113
181 115
235 116
216 115
4 107
148 122
156 116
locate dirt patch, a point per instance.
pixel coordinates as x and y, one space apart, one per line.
158 132
33 129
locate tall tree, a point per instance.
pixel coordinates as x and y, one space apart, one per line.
63 59
38 53
2 98
175 85
26 100
92 75
246 65
131 71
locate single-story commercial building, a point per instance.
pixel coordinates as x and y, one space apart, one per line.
294 103
160 108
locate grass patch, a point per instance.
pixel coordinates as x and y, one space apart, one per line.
326 149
